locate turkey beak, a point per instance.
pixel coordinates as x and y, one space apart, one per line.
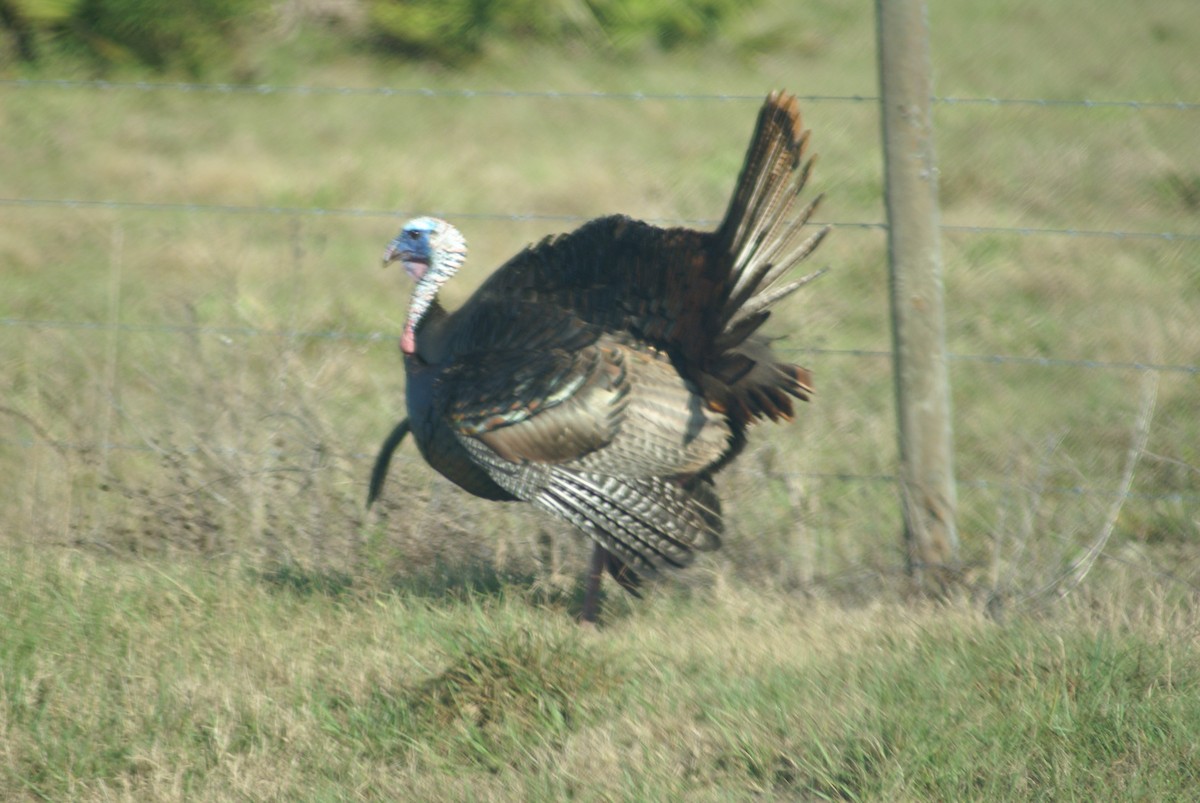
414 265
390 255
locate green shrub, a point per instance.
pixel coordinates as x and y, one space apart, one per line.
161 34
443 31
193 36
456 30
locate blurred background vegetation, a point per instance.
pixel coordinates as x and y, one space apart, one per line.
203 35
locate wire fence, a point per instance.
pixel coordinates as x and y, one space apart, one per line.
364 457
377 336
317 211
549 94
107 326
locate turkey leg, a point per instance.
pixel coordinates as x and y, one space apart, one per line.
591 595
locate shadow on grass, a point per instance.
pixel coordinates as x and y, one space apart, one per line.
445 582
304 582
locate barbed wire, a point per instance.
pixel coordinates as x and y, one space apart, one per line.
518 217
305 334
1031 231
302 334
551 94
1011 359
829 476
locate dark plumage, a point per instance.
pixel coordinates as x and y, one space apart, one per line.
607 374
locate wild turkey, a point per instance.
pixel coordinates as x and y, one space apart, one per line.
607 374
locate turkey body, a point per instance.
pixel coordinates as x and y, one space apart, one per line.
607 374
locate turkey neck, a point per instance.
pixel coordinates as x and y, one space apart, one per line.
437 442
429 338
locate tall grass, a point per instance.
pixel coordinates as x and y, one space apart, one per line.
164 681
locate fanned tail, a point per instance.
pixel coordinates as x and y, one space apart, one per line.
761 233
758 231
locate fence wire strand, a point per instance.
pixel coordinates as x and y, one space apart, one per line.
518 217
551 94
829 476
371 337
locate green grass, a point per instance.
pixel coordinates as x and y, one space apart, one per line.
165 681
203 609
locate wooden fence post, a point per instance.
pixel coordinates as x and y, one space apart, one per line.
926 475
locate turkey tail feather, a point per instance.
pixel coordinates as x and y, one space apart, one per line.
758 231
384 459
760 236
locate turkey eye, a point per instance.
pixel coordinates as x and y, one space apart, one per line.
413 235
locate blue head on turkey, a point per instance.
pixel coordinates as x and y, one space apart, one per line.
606 375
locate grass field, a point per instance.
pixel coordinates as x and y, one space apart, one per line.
197 606
165 681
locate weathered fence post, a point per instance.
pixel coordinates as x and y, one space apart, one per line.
926 476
